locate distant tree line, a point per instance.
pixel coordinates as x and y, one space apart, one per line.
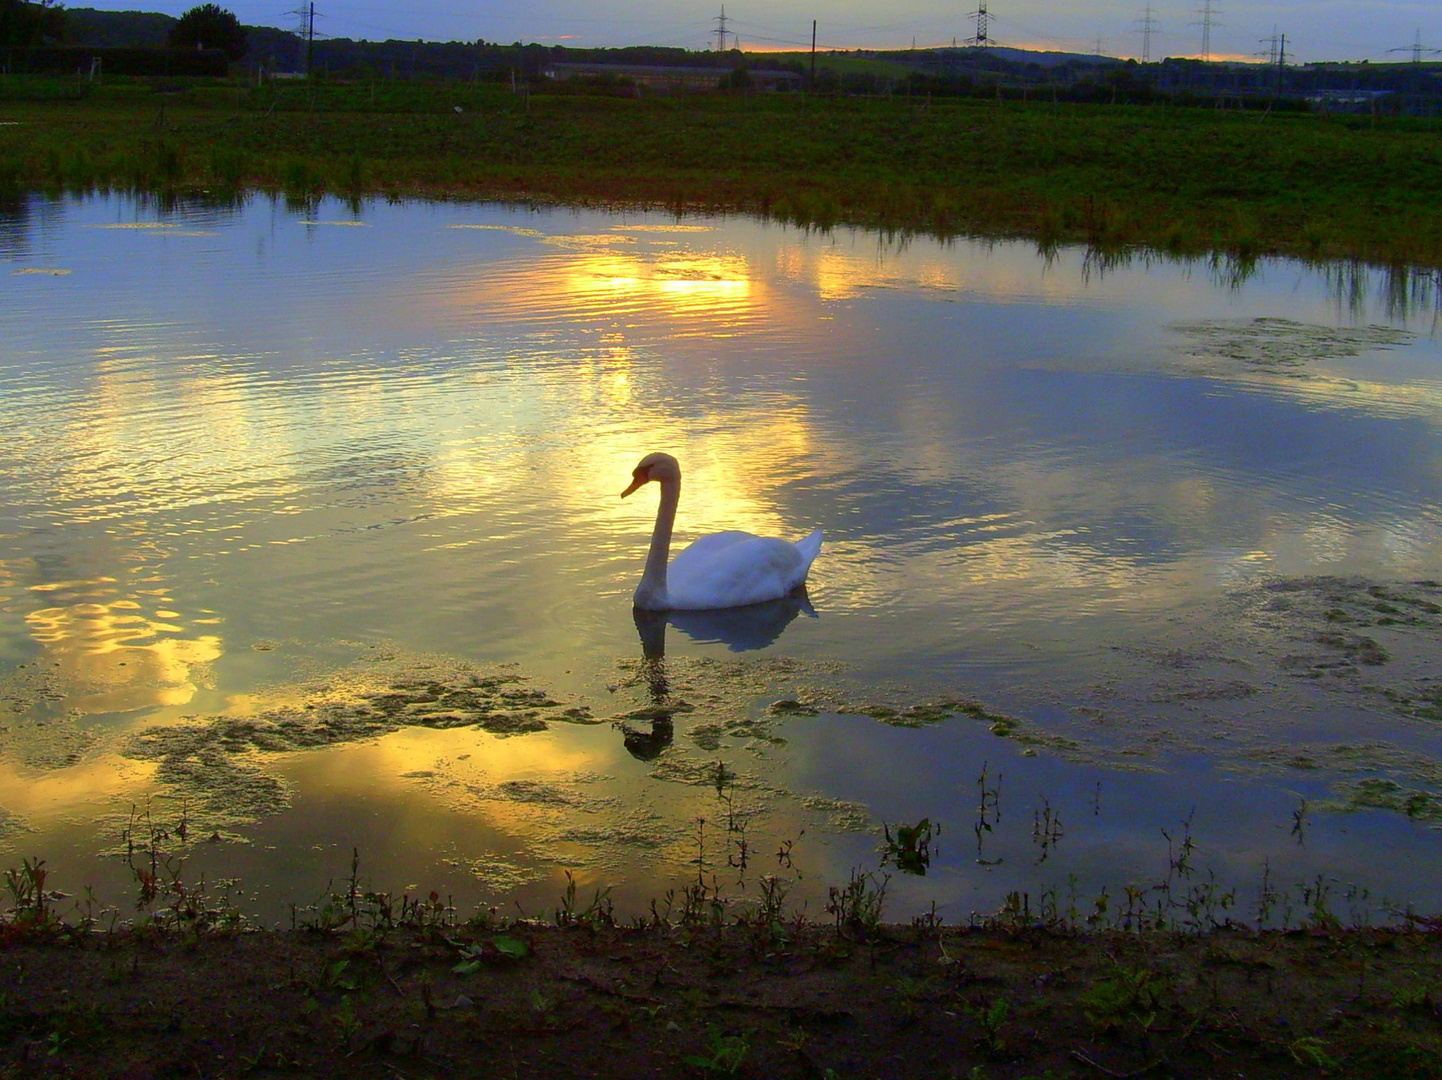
41 28
25 25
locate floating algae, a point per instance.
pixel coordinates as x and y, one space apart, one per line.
840 815
1272 667
726 698
215 762
1385 637
501 876
1384 793
1279 346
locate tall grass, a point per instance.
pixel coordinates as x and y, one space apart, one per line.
1185 181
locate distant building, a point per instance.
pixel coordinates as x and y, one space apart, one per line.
670 79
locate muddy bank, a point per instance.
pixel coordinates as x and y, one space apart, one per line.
764 998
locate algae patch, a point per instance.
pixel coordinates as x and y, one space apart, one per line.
1384 793
1282 676
726 699
217 764
1279 346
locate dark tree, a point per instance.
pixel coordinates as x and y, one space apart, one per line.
23 25
209 26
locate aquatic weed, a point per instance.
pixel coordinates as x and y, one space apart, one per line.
599 912
910 849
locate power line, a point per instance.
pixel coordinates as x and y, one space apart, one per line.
1416 48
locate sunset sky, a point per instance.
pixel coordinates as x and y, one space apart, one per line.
1240 29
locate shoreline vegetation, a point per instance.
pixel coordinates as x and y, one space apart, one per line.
1176 979
1185 182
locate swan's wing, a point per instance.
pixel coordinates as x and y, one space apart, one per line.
706 547
733 569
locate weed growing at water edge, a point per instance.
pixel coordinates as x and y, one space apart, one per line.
857 908
599 912
910 849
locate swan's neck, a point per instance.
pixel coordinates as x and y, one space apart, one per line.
651 593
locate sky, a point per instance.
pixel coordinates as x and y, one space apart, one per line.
1240 29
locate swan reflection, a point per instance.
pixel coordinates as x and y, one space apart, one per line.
739 629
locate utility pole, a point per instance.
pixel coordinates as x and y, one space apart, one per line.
1148 28
813 55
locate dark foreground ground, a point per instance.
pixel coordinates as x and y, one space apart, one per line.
774 1001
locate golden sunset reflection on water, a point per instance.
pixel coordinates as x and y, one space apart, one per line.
115 653
318 488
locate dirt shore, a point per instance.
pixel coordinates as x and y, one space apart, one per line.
755 999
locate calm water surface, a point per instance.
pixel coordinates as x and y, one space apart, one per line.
260 463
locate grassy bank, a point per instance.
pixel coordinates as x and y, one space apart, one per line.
1184 181
365 985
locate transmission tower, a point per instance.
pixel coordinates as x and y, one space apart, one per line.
981 17
1147 27
721 32
307 21
1209 15
1271 44
1417 49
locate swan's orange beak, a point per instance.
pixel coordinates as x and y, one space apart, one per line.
637 480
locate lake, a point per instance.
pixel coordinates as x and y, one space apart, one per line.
312 547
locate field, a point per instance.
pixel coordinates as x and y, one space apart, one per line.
1184 181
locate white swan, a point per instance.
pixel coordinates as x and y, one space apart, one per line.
722 570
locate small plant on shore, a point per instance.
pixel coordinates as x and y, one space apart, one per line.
600 911
367 914
857 907
1130 998
30 904
155 853
727 1052
1312 1051
499 948
990 1017
768 920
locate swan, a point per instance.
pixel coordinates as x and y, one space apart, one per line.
722 570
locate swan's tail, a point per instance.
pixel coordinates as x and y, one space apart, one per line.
810 547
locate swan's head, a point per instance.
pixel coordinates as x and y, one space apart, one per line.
656 467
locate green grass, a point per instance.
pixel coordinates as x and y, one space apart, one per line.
1180 180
